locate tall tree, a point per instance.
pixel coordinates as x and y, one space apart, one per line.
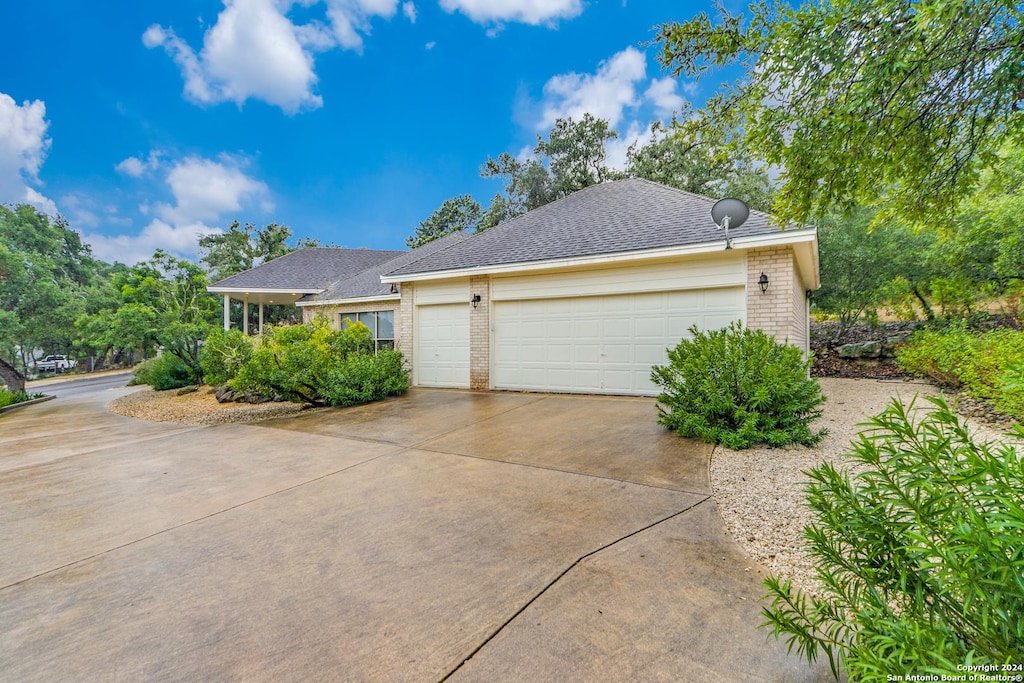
44 270
703 164
894 103
243 247
458 213
575 153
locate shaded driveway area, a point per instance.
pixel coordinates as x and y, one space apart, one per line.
444 535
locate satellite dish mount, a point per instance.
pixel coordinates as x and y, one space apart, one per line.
729 213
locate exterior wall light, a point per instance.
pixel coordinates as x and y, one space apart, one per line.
763 282
394 288
475 300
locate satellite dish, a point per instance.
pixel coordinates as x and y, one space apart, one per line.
729 213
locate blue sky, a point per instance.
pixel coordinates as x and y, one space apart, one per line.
146 124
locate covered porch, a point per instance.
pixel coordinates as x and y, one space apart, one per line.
261 298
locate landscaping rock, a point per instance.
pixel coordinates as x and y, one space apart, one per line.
187 390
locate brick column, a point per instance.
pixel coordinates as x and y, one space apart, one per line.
480 334
403 322
771 311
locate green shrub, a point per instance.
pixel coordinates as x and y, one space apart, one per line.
980 363
921 555
313 364
738 387
8 398
223 354
166 371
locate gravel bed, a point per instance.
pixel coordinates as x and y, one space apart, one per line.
760 491
197 408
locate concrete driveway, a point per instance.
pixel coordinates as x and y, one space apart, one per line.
445 535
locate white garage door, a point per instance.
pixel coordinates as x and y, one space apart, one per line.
441 358
601 344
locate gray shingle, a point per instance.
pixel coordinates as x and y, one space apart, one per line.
307 270
614 217
367 283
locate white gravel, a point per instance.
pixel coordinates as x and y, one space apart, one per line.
760 491
197 408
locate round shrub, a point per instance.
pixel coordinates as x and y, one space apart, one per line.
738 387
164 372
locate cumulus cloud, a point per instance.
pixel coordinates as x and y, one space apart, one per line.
664 95
524 11
136 167
605 94
255 51
409 10
23 148
204 191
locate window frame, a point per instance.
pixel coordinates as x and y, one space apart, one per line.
374 317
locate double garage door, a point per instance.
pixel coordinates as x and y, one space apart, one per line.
600 344
582 344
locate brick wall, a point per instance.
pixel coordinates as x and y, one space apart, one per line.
480 334
773 311
403 322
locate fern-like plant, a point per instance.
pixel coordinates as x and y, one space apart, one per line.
921 555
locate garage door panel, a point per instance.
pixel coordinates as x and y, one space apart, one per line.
441 358
601 344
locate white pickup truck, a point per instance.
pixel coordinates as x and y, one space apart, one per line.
55 364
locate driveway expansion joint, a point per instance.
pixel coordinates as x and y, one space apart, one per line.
563 574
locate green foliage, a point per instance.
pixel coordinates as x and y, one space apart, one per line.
314 364
981 363
8 398
240 248
223 354
458 213
862 269
738 387
893 103
703 165
166 371
921 555
45 270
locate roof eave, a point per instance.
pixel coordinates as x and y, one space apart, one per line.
350 301
808 235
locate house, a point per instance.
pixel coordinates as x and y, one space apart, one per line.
582 295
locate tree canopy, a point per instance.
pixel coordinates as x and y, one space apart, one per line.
457 213
894 103
243 247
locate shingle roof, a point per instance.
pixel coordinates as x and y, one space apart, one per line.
307 270
367 283
614 217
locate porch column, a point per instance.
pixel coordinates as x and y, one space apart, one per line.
261 317
227 312
245 317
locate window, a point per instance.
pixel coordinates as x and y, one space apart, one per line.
381 324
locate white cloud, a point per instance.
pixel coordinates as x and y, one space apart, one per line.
431 45
409 10
23 148
605 94
664 95
255 51
136 168
524 11
204 192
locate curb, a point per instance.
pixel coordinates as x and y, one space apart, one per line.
15 406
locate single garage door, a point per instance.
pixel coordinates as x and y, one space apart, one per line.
601 344
441 358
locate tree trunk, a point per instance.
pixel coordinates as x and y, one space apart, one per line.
14 380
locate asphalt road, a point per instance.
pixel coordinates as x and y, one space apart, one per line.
82 384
